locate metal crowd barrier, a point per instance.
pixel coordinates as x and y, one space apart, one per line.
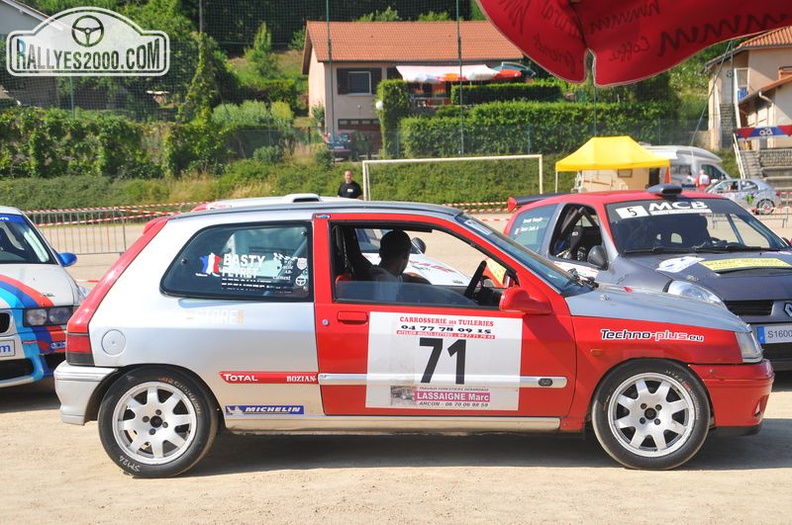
92 231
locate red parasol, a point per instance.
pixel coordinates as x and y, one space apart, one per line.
630 39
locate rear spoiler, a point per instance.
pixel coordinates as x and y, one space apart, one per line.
512 203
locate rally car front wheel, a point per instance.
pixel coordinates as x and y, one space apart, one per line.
651 414
156 422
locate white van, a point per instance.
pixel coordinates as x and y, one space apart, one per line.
689 160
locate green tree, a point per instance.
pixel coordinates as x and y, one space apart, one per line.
395 105
389 15
260 56
431 16
203 87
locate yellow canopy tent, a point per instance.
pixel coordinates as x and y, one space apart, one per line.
606 163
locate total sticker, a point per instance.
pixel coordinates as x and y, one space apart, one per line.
443 362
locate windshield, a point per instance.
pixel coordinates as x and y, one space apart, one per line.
682 225
20 243
564 282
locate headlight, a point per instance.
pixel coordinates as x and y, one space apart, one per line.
749 347
36 317
48 316
694 291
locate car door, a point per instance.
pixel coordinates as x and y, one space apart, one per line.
442 357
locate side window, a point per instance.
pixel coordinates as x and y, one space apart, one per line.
710 170
530 226
257 262
409 264
578 231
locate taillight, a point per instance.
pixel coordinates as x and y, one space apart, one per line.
78 341
78 350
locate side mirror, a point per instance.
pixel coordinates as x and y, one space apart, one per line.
516 299
597 257
67 258
418 243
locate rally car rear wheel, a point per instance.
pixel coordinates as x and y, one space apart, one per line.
764 207
156 422
651 414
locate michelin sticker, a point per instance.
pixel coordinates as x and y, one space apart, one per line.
263 410
653 208
443 362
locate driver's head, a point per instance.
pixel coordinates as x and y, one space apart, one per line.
395 247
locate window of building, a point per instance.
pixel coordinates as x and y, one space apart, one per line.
361 81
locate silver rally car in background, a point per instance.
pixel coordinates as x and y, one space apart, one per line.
685 243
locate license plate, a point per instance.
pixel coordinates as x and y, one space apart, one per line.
777 333
7 349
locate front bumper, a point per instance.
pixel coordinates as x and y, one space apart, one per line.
75 386
33 365
738 393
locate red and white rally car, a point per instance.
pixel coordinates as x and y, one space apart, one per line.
247 320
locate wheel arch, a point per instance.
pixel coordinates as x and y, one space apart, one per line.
617 366
92 410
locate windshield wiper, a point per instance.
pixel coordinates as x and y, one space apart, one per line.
732 247
656 249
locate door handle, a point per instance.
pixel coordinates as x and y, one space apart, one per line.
353 317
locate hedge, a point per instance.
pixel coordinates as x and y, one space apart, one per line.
50 143
485 93
529 127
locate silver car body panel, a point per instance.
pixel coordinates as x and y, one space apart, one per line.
386 425
75 386
184 332
615 302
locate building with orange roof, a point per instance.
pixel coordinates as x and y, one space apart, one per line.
345 61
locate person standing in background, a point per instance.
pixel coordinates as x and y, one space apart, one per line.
702 181
350 188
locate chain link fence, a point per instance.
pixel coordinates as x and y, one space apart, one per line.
233 25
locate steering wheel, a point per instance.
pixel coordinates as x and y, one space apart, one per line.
477 275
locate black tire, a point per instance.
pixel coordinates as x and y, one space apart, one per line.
157 422
764 207
651 414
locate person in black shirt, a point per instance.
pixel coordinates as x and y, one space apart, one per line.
349 188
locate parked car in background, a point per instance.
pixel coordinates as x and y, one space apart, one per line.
37 298
688 161
754 194
696 244
247 320
342 145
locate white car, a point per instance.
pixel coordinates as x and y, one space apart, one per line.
37 298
